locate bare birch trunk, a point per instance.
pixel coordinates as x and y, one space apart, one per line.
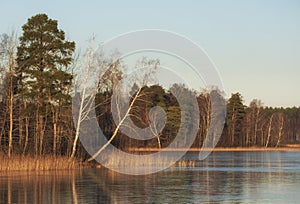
10 120
280 130
11 65
269 130
118 126
79 120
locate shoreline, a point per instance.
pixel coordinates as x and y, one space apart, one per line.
221 149
45 163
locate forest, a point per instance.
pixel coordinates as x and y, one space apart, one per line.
38 80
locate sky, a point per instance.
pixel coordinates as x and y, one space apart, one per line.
255 45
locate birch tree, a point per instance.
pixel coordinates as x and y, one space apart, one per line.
94 73
280 127
269 129
81 95
8 55
122 116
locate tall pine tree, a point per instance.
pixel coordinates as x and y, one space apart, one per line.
43 56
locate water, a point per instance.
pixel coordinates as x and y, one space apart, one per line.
224 177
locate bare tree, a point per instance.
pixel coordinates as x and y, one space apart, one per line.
156 120
8 52
255 106
92 66
85 99
147 70
269 129
280 131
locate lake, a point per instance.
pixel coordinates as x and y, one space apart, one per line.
224 177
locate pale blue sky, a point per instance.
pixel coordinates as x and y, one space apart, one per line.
254 44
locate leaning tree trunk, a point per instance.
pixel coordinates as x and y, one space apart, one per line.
118 126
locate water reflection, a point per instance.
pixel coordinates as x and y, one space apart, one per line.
42 187
223 177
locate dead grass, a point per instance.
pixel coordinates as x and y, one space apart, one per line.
40 163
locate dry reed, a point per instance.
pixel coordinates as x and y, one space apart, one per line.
112 159
185 164
39 163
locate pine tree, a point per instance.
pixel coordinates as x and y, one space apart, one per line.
235 115
42 57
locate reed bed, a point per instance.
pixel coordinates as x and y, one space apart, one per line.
39 163
185 164
112 159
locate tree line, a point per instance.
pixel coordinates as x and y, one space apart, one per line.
245 126
38 80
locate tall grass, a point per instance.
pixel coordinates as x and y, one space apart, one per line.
31 163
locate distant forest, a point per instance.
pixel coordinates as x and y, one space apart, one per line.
37 82
245 126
